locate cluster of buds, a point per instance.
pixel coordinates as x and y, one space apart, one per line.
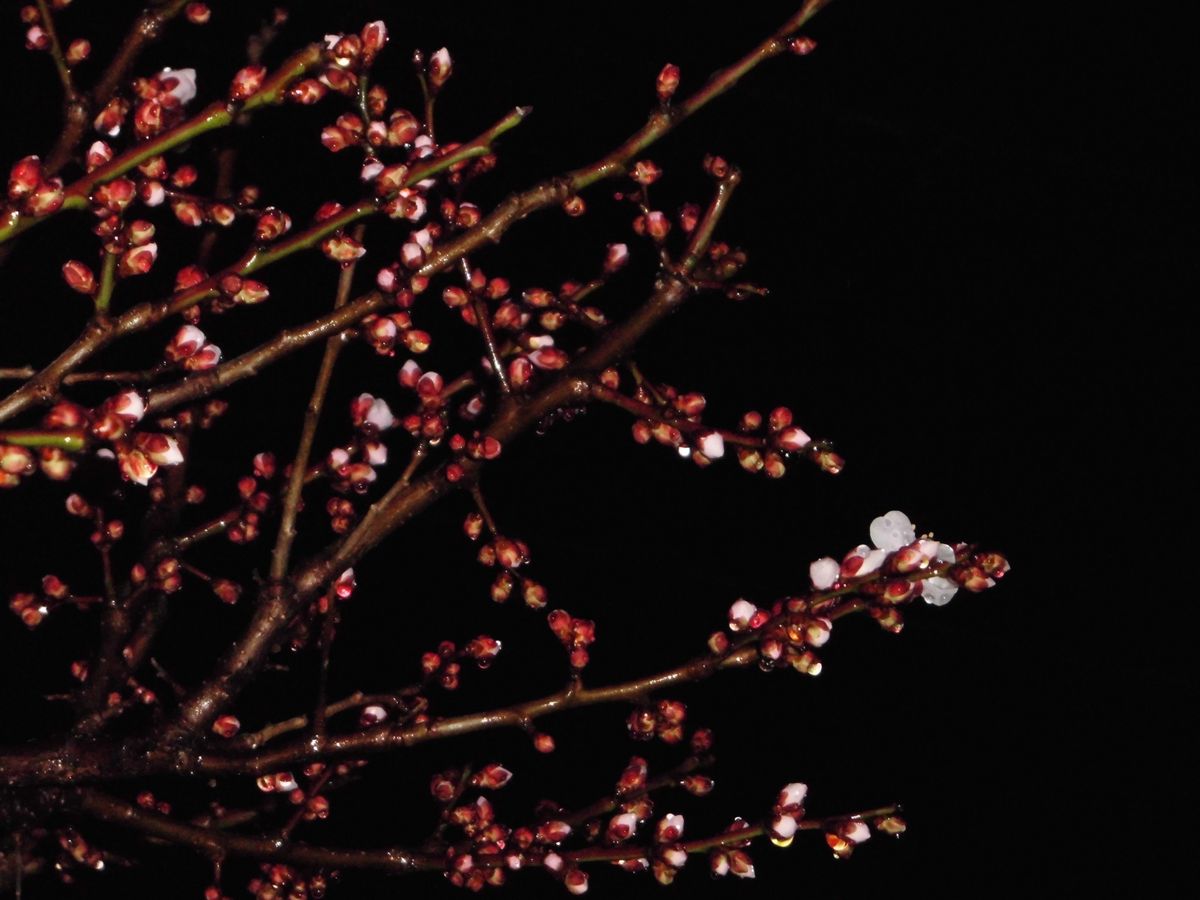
478 863
576 635
902 567
139 458
787 813
190 349
787 633
384 333
255 496
161 99
846 836
676 411
430 421
509 553
147 800
781 439
278 880
442 665
554 310
533 593
731 857
664 720
31 191
32 608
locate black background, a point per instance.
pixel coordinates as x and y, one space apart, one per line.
973 219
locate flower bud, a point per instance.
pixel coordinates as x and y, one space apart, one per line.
247 82
78 276
440 68
667 82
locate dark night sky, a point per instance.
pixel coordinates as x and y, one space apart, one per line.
969 217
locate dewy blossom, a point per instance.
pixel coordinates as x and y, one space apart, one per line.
893 531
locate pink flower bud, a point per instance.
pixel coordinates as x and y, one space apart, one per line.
227 591
307 92
135 466
186 342
140 232
657 225
342 248
226 726
77 51
816 632
792 439
36 38
108 120
616 257
16 460
251 292
645 172
856 832
493 776
740 615
553 832
549 358
129 405
793 794
148 118
161 449
272 224
78 276
783 827
247 82
207 357
802 46
24 177
198 13
343 588
138 260
152 193
667 82
440 68
403 128
669 829
576 881
412 256
46 198
374 36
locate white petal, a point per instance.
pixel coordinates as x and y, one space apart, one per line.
824 572
712 445
938 591
892 531
793 794
872 561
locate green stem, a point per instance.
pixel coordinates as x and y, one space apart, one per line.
60 62
108 280
69 439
